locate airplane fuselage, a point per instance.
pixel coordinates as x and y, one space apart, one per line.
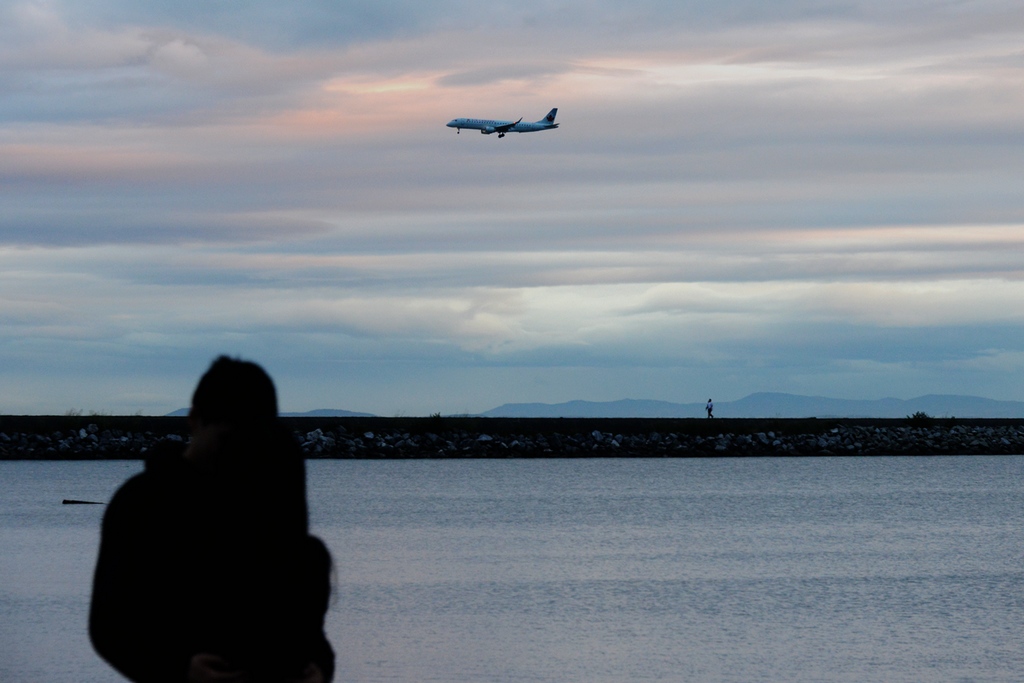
488 126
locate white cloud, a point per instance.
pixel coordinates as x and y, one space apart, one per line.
179 58
36 37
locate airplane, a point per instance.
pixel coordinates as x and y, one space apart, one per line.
487 126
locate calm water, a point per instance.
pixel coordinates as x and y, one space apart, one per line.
830 569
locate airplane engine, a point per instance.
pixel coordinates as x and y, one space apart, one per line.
488 130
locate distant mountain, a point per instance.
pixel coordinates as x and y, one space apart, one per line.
767 405
760 405
322 412
328 412
624 408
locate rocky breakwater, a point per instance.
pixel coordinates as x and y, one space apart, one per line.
85 443
487 438
840 440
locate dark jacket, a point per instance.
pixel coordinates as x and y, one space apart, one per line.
221 562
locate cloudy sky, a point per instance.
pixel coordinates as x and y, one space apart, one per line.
808 197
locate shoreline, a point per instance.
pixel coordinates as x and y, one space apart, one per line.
100 437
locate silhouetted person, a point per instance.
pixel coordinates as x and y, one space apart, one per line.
206 569
710 407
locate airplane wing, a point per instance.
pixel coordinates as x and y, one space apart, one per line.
505 128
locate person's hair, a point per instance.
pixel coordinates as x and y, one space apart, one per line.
258 462
235 391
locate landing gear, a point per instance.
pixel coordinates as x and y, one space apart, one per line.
501 135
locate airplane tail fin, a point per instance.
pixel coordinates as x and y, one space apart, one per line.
550 118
